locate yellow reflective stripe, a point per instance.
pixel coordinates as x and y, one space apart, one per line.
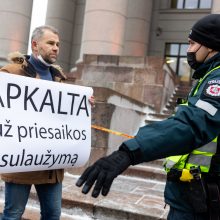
208 154
215 140
204 169
199 155
171 161
199 159
210 147
175 161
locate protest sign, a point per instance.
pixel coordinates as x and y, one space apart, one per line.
43 124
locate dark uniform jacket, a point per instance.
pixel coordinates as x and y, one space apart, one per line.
21 66
192 127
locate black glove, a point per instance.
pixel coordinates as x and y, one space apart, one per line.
103 171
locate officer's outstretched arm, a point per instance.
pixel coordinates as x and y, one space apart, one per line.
102 173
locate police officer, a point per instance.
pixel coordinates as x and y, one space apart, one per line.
191 133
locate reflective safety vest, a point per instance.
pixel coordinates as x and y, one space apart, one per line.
199 157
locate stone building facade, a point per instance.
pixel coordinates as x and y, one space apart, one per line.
102 27
126 48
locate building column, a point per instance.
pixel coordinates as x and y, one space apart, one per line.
60 14
215 7
77 33
137 27
14 33
104 27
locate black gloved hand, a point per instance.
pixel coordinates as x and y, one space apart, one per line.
103 171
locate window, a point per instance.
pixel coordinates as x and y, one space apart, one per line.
175 55
191 4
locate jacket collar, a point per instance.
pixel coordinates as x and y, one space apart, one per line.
57 74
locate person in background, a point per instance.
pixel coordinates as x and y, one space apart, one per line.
189 139
48 183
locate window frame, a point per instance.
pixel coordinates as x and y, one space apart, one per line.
178 56
184 5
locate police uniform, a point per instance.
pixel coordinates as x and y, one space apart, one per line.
189 139
194 125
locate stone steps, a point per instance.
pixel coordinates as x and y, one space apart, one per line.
130 198
181 91
146 171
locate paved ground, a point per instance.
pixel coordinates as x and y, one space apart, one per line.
130 198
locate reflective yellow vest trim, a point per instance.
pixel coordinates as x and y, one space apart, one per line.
199 157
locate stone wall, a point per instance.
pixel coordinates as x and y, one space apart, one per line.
119 113
126 90
116 112
145 79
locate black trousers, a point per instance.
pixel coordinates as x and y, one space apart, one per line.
175 214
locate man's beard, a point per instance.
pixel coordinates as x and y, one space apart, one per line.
50 60
46 61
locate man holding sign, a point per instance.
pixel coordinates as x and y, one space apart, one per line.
48 182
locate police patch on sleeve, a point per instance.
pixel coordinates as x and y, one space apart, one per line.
212 89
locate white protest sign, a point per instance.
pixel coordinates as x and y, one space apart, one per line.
43 124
